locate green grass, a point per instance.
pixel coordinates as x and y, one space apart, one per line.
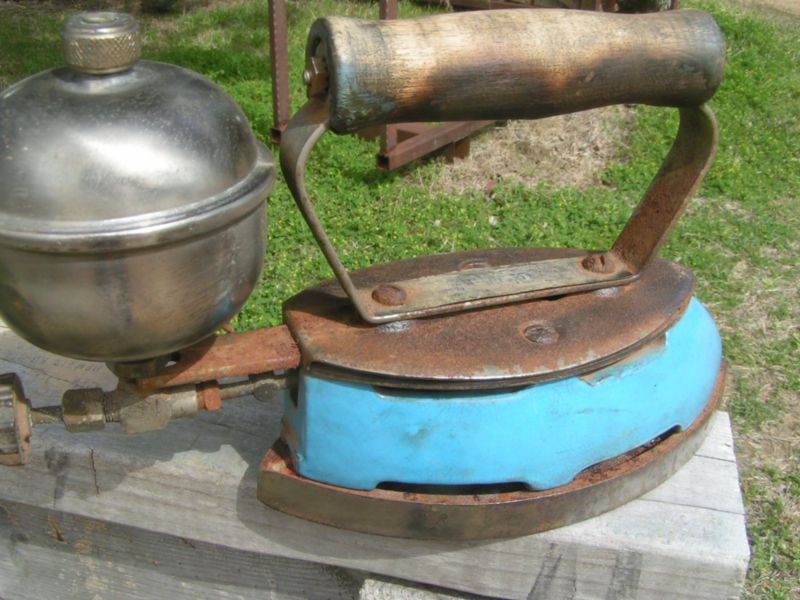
742 242
740 236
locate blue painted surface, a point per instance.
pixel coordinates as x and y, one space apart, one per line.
353 436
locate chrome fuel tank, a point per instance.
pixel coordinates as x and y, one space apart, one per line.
132 201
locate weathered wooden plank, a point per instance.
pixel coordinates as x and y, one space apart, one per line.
50 554
718 477
195 481
46 376
719 442
375 588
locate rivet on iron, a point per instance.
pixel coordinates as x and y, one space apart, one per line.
541 334
598 263
389 295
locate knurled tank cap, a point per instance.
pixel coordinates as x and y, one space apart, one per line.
99 43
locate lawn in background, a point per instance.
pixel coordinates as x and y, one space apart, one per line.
740 235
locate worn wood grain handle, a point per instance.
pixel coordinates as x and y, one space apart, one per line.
514 64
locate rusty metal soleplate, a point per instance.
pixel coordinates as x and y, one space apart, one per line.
497 347
471 516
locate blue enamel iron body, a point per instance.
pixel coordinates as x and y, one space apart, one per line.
498 392
358 436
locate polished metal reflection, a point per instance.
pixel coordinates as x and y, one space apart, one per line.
132 210
123 160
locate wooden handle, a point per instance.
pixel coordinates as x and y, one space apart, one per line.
514 64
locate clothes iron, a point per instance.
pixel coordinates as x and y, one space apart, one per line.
484 393
497 392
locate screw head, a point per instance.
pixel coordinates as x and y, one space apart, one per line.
389 295
598 263
541 334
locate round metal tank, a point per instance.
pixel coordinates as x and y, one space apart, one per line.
132 204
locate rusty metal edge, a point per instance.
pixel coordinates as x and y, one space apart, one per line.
324 365
594 491
231 355
336 372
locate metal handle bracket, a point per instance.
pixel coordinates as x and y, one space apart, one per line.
651 222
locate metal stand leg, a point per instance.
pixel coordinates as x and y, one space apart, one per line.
279 62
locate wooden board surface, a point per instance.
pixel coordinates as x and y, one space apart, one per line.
193 485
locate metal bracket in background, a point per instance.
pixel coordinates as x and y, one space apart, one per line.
641 238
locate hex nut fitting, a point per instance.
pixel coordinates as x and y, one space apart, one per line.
83 410
138 413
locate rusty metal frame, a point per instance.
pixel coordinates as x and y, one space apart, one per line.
651 222
415 140
410 513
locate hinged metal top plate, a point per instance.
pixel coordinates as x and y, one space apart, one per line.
490 348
